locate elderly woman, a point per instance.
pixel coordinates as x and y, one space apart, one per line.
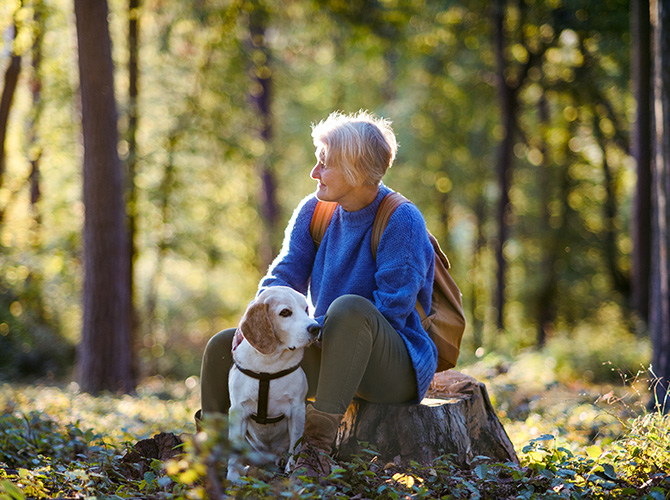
373 345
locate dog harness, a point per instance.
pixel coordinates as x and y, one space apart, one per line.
261 415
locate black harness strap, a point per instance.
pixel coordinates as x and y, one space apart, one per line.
261 415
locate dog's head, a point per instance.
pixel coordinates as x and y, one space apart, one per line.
279 319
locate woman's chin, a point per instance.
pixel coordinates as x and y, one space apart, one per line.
322 194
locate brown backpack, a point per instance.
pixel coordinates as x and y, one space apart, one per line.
446 322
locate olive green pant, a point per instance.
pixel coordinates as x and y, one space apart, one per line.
360 355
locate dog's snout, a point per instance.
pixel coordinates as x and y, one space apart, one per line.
314 330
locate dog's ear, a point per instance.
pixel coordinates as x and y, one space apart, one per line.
257 328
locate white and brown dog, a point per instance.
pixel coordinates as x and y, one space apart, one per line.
266 384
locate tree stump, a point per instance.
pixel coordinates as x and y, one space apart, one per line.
457 419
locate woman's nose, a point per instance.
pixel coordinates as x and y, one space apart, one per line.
315 174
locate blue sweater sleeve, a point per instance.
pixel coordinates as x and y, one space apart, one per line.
293 265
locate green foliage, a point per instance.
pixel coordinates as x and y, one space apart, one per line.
574 441
30 345
605 354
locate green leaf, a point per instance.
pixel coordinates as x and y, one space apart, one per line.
547 473
164 482
12 491
609 471
482 471
562 472
657 494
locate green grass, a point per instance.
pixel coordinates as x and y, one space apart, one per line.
575 440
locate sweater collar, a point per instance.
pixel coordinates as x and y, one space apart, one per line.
364 215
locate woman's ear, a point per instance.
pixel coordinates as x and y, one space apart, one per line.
257 328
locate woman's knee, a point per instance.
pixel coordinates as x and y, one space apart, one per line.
350 307
220 344
349 316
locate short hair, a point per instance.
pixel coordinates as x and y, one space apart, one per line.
361 144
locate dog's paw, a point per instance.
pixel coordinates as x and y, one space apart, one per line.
234 472
290 465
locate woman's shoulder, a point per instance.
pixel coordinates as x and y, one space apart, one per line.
308 202
407 214
305 207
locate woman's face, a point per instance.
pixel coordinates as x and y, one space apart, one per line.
333 185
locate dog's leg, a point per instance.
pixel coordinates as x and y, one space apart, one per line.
296 428
237 431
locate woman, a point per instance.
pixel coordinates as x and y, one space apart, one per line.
373 346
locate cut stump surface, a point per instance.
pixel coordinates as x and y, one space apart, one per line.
458 418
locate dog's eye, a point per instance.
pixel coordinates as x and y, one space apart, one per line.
285 313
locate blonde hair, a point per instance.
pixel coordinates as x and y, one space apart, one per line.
361 144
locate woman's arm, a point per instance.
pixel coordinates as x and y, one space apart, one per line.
293 266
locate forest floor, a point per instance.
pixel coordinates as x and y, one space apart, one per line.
575 439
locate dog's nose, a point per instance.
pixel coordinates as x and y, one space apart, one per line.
314 330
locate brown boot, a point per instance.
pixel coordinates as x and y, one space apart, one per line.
317 443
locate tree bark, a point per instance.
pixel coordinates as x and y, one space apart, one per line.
105 350
641 149
546 310
464 424
131 163
34 146
620 279
478 318
261 99
8 90
659 313
503 160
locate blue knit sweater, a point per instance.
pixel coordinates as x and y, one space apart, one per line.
344 264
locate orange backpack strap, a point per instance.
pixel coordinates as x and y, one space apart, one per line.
323 212
386 208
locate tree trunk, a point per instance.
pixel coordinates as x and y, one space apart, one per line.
546 310
641 146
620 279
463 424
34 146
8 90
261 99
165 199
659 312
507 95
131 164
478 317
105 348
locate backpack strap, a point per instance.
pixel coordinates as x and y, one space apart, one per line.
386 208
323 212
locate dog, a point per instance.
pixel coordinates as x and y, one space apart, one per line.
266 384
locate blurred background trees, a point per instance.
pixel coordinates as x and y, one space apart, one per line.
515 122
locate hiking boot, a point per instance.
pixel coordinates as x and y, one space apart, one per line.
314 459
